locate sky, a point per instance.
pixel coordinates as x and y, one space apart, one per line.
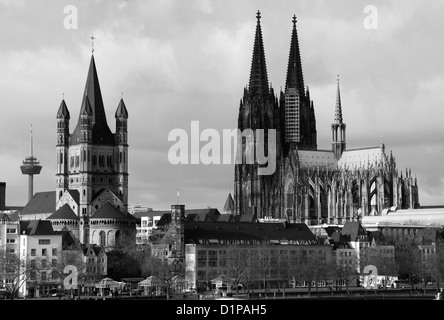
177 61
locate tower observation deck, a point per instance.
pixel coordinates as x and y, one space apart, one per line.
31 167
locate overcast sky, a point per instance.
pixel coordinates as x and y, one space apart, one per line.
182 60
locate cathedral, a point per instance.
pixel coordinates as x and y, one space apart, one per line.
309 185
91 198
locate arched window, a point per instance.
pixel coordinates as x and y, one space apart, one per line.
102 238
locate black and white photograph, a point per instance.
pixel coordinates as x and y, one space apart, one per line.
221 158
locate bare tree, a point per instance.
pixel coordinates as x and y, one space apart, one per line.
170 273
15 272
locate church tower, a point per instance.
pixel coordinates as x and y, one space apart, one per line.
258 110
92 167
300 123
338 128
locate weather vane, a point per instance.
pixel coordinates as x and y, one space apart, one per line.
92 42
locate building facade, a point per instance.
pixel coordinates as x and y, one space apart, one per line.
310 185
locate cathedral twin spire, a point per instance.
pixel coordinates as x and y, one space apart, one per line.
295 77
258 72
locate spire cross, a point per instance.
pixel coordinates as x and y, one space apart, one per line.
258 15
294 20
92 42
338 78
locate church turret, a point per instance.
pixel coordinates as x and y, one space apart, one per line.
338 128
121 138
62 179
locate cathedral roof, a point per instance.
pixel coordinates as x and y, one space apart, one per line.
121 111
295 77
101 133
362 158
258 73
108 211
63 112
317 158
64 212
41 202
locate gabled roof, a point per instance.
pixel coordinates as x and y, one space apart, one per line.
246 218
212 213
331 230
165 220
353 229
4 217
95 248
41 202
195 231
75 195
108 211
36 227
64 212
68 240
225 218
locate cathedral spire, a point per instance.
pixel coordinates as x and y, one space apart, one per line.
295 78
258 72
338 108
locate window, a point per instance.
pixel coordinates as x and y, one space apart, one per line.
102 238
44 264
33 263
54 262
33 252
11 231
10 240
54 251
44 252
44 241
43 275
9 250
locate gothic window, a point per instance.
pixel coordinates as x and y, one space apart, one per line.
120 156
102 238
72 161
77 161
94 159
